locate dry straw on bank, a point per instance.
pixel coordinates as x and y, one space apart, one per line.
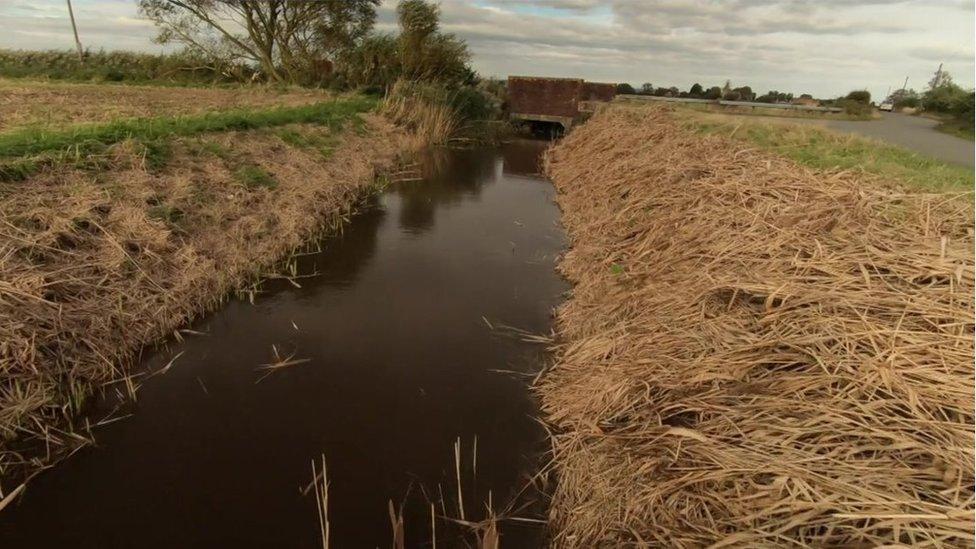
755 354
96 264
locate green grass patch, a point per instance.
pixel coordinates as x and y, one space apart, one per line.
294 138
768 112
91 138
171 215
822 149
324 143
157 153
255 177
958 129
211 147
19 169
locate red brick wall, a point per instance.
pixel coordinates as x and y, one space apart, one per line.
549 96
598 91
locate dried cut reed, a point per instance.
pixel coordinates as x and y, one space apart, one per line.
320 481
755 354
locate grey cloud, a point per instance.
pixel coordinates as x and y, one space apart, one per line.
824 47
777 44
939 54
569 5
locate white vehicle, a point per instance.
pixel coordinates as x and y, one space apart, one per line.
886 106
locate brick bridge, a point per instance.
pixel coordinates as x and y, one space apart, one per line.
554 100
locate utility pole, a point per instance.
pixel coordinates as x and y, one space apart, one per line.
937 81
905 85
81 53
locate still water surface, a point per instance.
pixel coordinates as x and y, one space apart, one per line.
401 362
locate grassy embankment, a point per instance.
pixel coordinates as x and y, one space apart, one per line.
115 234
756 353
957 128
747 111
826 150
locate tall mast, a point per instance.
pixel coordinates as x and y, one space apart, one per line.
81 53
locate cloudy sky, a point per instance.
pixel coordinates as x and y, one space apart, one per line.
823 47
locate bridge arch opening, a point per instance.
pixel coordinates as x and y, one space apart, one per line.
546 129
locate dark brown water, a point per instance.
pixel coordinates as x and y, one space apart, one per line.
400 366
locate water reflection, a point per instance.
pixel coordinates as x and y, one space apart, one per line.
341 259
449 176
524 157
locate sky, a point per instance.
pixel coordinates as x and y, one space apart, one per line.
822 47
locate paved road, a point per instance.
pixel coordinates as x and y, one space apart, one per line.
915 133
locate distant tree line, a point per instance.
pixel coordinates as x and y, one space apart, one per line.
943 96
697 91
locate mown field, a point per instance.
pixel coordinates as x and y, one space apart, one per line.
39 104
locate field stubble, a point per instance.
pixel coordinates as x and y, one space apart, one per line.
37 104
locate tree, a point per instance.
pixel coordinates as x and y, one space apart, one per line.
744 93
941 78
965 109
713 93
774 96
904 98
946 98
727 88
647 88
859 96
291 40
374 63
625 89
420 52
696 90
857 102
426 53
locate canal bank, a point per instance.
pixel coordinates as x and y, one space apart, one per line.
400 330
755 353
145 225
